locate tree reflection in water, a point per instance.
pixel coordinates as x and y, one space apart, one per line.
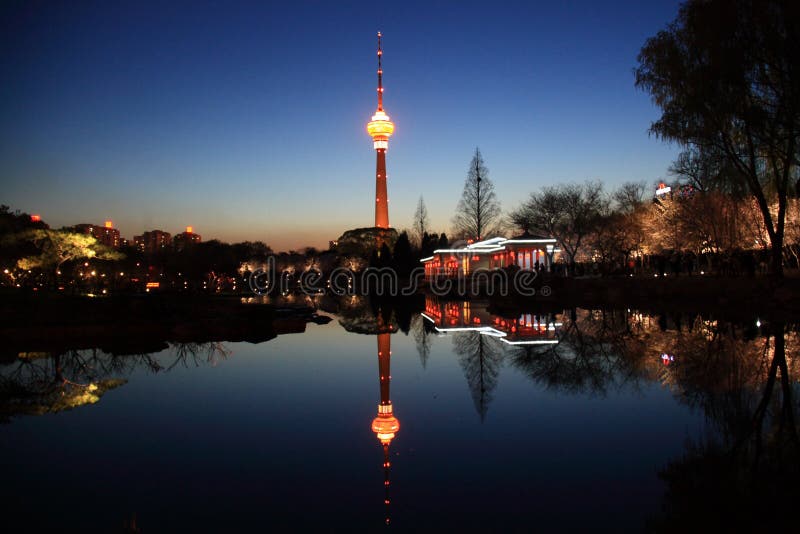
743 474
481 358
40 383
587 357
422 330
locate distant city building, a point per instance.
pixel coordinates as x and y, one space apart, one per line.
187 238
105 233
153 241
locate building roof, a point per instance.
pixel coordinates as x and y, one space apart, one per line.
495 244
527 235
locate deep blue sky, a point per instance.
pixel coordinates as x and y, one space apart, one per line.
247 121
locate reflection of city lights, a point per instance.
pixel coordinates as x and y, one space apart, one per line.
758 323
667 358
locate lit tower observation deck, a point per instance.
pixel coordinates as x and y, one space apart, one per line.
380 128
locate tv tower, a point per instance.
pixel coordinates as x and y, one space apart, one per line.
380 128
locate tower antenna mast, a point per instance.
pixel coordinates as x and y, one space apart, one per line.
380 75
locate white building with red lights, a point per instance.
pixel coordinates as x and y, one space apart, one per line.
529 252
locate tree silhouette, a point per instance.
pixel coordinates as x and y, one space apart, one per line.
402 256
725 76
568 212
421 222
478 211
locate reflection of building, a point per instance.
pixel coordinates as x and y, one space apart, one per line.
380 128
465 316
385 425
105 234
186 239
153 241
526 251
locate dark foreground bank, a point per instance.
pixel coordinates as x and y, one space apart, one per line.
137 324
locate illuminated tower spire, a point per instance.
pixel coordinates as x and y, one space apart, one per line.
380 128
385 425
380 75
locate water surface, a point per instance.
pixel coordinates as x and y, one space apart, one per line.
570 420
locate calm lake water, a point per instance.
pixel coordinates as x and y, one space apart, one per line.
577 420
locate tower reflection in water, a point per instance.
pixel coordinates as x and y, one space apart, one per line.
385 425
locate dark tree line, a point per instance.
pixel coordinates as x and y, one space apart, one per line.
726 75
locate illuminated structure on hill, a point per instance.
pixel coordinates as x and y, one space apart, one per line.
385 425
380 128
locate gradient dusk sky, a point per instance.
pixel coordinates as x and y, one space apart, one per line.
247 120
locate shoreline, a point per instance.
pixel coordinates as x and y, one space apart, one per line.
733 297
137 324
129 324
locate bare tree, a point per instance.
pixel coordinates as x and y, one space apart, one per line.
706 169
478 211
421 221
630 196
567 212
